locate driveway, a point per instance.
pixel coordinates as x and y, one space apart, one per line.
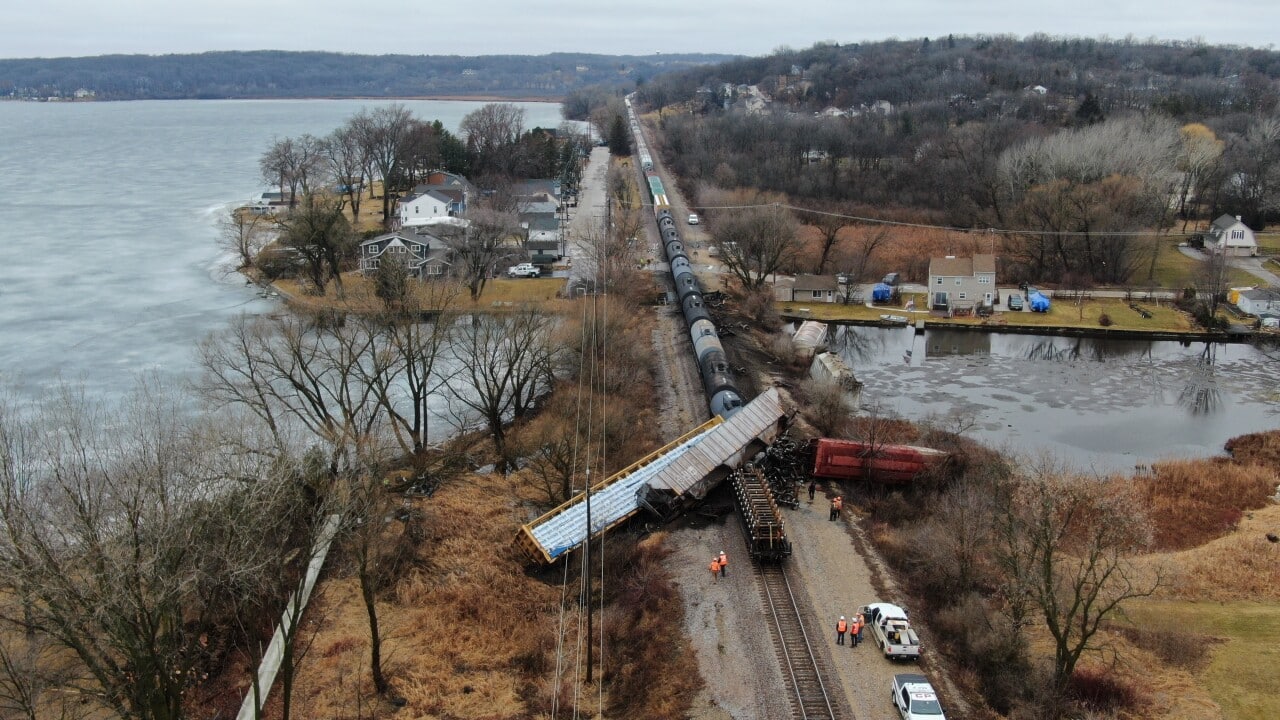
1252 265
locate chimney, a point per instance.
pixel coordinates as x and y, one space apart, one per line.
951 257
1239 219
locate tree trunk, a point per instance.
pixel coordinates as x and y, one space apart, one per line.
375 638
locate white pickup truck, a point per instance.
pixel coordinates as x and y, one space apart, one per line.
893 634
524 270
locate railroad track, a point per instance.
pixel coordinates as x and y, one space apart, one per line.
801 667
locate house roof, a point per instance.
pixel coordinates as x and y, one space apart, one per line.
1224 222
962 266
816 282
543 223
434 194
1261 294
539 186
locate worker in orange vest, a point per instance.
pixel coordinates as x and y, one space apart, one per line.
855 631
724 563
841 628
715 567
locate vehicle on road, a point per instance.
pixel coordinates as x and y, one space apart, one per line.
892 631
528 270
891 279
915 699
1014 302
693 219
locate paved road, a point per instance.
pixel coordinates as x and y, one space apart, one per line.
1251 265
588 218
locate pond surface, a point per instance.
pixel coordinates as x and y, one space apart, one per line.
1101 404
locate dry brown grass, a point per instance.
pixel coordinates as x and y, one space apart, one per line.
1261 448
1194 501
500 295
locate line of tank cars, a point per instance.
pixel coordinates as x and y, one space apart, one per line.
717 379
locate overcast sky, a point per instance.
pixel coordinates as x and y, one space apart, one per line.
56 28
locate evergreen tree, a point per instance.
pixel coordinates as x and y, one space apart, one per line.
619 144
1090 111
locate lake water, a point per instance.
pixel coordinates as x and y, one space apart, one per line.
1099 403
109 265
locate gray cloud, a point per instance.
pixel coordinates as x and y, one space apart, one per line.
483 27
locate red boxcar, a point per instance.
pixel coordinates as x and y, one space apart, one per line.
849 460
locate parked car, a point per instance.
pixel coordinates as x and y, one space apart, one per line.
528 270
693 219
891 279
1015 301
915 699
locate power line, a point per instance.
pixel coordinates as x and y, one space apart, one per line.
948 228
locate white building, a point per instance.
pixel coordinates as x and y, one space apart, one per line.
421 209
1231 236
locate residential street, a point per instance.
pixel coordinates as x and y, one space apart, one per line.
1252 265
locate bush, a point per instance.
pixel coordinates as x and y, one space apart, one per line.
1177 648
1101 691
1104 320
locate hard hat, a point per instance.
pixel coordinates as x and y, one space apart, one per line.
721 552
841 617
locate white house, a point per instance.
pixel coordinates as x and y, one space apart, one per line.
1258 301
1231 236
419 209
962 283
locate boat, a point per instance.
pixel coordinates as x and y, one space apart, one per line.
895 319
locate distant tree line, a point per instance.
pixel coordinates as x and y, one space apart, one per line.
278 74
1074 140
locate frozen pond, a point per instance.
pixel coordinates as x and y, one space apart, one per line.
1100 403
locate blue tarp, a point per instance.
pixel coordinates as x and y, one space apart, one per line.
881 293
1039 303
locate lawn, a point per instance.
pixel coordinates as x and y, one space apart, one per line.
1174 270
1241 676
1164 318
1268 243
499 294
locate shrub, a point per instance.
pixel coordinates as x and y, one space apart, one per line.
1104 320
1099 690
1178 648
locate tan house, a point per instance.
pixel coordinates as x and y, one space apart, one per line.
957 283
808 288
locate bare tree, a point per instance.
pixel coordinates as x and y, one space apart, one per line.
1064 545
124 547
243 233
411 370
756 243
492 134
505 362
347 161
828 224
319 234
479 244
384 135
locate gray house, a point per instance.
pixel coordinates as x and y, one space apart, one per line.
423 254
1259 301
808 288
957 283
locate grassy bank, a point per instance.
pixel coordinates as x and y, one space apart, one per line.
1062 314
500 294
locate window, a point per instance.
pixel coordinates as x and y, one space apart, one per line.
959 280
817 294
964 296
373 264
1237 234
984 280
433 269
939 282
415 209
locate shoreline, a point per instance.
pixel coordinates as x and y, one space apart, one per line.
438 98
1058 330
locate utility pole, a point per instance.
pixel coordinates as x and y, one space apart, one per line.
586 567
